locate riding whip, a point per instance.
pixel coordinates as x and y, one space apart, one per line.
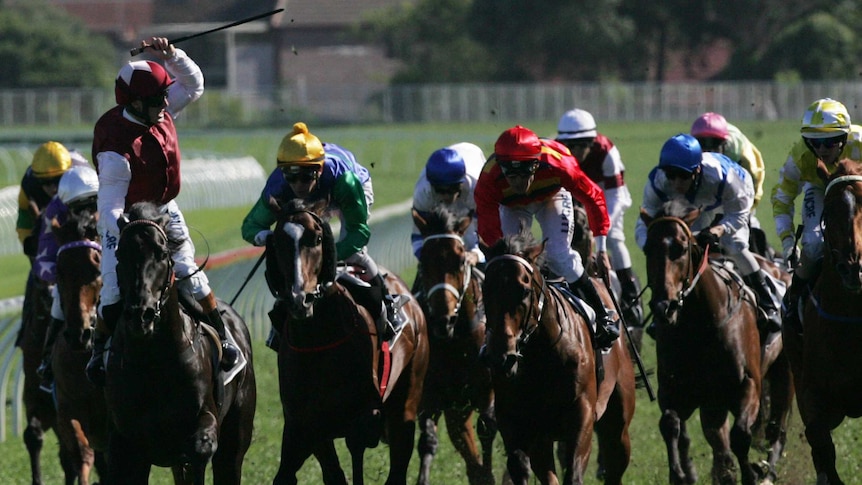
247 278
138 50
634 350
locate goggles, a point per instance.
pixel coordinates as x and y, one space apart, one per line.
677 173
516 168
303 176
825 142
447 189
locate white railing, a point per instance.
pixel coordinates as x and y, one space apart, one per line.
379 103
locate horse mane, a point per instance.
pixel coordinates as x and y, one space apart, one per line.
149 212
442 219
515 244
79 225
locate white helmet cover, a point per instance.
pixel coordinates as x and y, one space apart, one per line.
78 183
576 123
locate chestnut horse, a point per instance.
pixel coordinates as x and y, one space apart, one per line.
457 382
709 354
38 405
544 373
827 364
329 358
81 413
169 403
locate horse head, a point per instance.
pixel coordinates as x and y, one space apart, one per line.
79 278
445 272
305 257
671 251
513 277
842 224
144 267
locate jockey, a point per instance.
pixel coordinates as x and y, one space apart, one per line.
715 134
600 159
827 137
449 178
311 170
527 177
76 192
137 155
724 193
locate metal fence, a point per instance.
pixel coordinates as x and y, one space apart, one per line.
379 103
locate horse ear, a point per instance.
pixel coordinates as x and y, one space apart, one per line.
420 222
122 221
532 253
692 216
464 223
273 204
330 257
318 206
646 217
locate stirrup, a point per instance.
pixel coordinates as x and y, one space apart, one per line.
46 377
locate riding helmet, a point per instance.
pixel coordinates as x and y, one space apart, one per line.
517 144
140 79
445 167
300 148
78 183
825 118
576 123
681 151
51 160
710 125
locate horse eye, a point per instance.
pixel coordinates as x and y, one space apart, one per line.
526 293
675 251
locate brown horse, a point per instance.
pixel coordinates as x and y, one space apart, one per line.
457 382
169 403
709 354
38 405
329 362
81 412
544 373
827 364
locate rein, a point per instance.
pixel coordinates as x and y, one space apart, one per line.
83 243
527 331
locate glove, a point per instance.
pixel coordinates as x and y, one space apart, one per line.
791 252
260 238
707 238
31 244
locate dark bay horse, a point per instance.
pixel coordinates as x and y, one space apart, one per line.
331 371
544 373
38 405
827 362
709 354
82 416
457 382
169 404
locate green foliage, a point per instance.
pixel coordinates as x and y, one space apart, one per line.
44 47
822 46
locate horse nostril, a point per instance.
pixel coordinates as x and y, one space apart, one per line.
148 315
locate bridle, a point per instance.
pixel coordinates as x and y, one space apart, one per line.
466 269
169 277
537 303
322 288
692 277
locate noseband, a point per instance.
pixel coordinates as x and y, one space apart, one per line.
536 303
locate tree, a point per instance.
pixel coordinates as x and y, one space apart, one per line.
44 47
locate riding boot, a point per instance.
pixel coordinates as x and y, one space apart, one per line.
277 317
606 329
229 352
772 320
790 315
96 366
45 371
632 306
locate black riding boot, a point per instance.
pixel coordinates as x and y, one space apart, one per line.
96 366
45 371
790 315
772 321
229 353
606 329
277 317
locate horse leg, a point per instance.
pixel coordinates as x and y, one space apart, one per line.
459 424
34 439
233 442
673 430
486 428
426 448
542 462
819 436
400 433
294 452
780 402
356 447
518 466
614 441
125 462
740 433
716 430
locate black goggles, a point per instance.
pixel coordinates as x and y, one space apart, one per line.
677 173
304 177
522 168
50 181
826 142
579 143
447 189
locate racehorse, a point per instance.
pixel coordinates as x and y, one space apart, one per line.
330 358
38 405
81 412
457 382
544 372
828 363
709 356
169 404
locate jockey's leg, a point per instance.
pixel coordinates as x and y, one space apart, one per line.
757 282
105 325
229 352
606 328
